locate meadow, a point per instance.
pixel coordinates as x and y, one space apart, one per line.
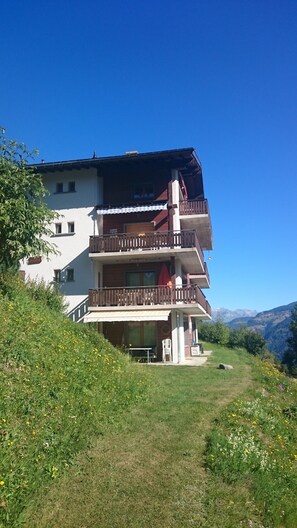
91 440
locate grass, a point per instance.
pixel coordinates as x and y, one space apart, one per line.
148 468
62 385
90 440
253 444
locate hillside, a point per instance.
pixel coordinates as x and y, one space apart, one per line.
272 324
63 384
90 439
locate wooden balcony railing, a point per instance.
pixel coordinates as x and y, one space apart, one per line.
206 272
155 240
147 296
193 207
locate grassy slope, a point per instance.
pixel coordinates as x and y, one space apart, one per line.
148 469
206 448
62 384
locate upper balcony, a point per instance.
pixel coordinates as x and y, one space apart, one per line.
154 246
189 299
194 214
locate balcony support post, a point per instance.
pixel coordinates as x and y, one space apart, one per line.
178 273
174 337
181 337
175 199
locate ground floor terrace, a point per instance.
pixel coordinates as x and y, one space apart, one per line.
155 335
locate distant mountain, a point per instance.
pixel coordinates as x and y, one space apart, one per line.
272 324
225 315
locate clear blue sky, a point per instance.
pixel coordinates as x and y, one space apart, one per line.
218 75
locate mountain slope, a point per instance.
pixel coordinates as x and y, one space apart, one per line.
272 324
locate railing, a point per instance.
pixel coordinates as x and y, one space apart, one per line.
78 312
155 240
147 296
206 273
208 308
193 207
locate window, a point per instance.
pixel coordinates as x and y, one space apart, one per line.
57 275
58 229
70 227
140 278
60 187
144 191
141 334
69 275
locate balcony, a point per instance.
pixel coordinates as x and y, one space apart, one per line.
201 279
194 214
189 299
154 246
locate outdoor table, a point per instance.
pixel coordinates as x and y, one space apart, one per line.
143 349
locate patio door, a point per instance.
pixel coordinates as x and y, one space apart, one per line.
141 334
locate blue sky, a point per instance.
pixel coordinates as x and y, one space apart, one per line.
218 75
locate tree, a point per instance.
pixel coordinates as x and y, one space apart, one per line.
237 337
290 355
216 332
24 215
254 343
220 333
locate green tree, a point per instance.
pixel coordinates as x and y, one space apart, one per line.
24 215
237 337
220 333
216 332
254 343
205 331
290 355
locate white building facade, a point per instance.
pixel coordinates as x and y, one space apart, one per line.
130 235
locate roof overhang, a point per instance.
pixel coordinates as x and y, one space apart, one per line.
184 159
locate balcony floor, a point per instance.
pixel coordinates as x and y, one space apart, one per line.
189 257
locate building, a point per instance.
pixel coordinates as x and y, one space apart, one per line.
131 233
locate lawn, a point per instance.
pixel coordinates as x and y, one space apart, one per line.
148 468
90 440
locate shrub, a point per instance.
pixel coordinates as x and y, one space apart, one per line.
237 337
47 294
254 343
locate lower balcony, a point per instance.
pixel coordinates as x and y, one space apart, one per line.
189 299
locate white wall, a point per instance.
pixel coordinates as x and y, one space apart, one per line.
78 207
